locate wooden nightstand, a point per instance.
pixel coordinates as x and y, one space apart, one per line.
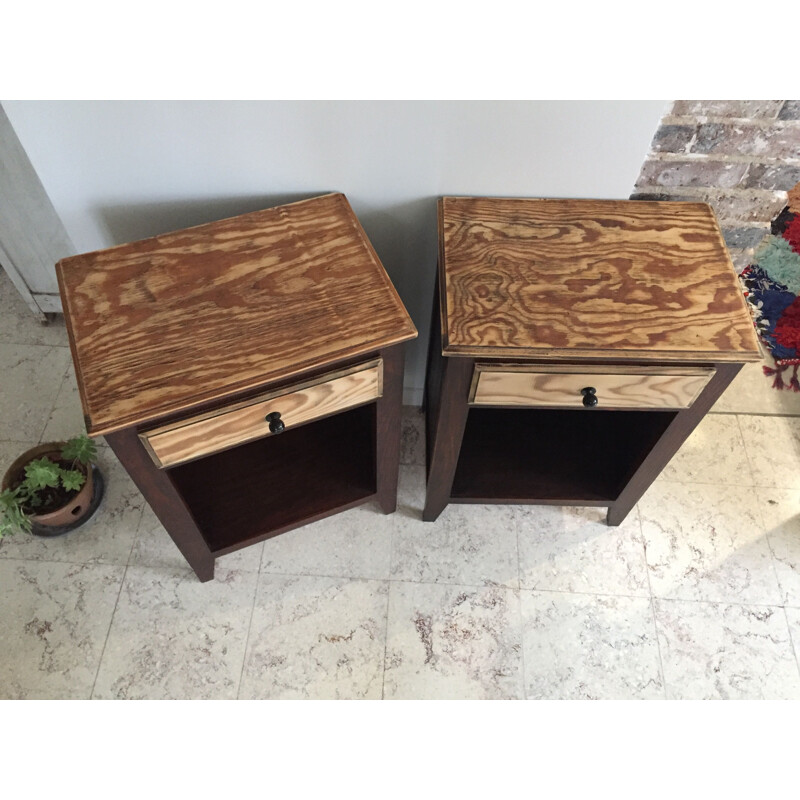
575 345
194 349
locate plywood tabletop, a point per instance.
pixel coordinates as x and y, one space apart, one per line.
589 279
166 323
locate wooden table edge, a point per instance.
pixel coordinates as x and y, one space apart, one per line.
101 426
592 356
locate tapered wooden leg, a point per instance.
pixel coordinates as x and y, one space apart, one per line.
446 432
157 487
670 442
388 428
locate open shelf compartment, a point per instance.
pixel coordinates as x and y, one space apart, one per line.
553 456
262 488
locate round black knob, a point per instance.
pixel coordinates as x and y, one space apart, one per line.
275 422
589 396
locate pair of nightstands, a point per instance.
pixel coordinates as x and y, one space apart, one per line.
574 347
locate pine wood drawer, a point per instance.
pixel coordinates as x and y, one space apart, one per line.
243 422
561 386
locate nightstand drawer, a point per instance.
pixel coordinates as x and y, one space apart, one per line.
242 422
570 386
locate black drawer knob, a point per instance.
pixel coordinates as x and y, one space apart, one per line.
275 422
589 396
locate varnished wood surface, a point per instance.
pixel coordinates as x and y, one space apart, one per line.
208 433
616 387
170 322
589 279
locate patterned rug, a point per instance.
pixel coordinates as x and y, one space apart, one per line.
771 286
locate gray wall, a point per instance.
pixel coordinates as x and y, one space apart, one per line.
120 171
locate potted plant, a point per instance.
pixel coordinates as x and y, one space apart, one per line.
51 489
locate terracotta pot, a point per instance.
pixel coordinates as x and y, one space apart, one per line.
66 515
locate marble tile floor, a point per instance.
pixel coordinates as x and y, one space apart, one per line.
696 595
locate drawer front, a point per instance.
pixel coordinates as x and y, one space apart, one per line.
218 430
615 387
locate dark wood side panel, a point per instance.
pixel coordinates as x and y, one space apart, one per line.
446 429
389 409
159 491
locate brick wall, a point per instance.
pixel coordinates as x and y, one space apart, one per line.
741 156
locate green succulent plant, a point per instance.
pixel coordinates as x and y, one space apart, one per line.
17 504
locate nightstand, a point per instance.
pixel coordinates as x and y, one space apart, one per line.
575 346
247 373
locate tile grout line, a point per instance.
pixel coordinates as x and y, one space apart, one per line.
55 399
652 605
762 518
388 600
764 527
791 640
249 630
746 451
108 633
524 694
386 639
460 584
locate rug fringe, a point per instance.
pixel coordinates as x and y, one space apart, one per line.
794 383
778 373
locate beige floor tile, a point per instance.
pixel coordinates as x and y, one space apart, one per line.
713 453
18 325
780 510
32 376
354 544
153 547
173 637
726 651
773 449
589 647
316 638
468 544
66 417
706 542
573 550
53 627
453 642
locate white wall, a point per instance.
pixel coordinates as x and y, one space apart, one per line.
120 171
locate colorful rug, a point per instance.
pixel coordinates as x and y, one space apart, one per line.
771 286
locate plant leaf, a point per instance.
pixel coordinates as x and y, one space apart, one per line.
72 479
41 473
80 448
12 517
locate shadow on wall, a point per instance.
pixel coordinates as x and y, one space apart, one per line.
404 236
130 222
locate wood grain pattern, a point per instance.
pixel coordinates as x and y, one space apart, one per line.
163 324
592 279
620 387
218 430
